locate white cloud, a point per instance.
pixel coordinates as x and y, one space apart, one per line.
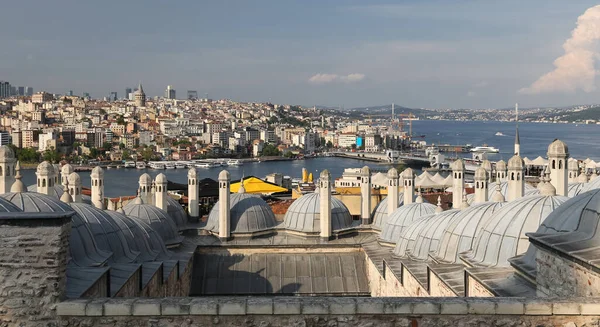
575 70
330 78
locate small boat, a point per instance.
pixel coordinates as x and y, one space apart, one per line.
140 165
234 162
180 165
169 165
489 149
157 165
207 165
499 134
129 164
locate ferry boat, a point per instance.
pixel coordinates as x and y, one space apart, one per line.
234 162
169 165
489 149
140 165
157 165
129 164
499 134
181 165
207 164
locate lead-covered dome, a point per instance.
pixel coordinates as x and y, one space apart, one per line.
157 219
380 214
558 147
503 236
58 190
248 214
304 214
176 212
402 218
6 152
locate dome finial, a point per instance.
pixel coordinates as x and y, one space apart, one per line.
419 198
547 189
242 189
464 204
439 208
498 197
66 196
18 186
120 206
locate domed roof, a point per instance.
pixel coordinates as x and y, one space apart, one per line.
176 212
6 152
575 189
462 229
408 173
44 169
66 170
516 162
365 171
192 173
248 213
7 206
145 179
558 147
406 238
97 172
480 174
304 214
501 165
492 189
459 164
591 185
425 239
83 248
223 175
74 179
157 219
392 173
503 236
161 178
108 235
57 191
402 218
380 214
141 238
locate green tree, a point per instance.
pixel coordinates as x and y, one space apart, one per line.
353 146
329 145
107 145
93 153
51 155
121 146
27 155
126 154
147 154
270 150
121 120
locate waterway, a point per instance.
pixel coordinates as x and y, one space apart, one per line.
583 142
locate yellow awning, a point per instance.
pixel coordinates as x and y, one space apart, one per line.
257 186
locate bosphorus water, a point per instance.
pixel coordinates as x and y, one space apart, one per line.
583 142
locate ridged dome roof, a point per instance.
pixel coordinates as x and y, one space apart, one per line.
57 191
462 229
249 213
84 251
44 169
6 152
558 147
108 235
176 213
303 215
380 214
66 170
157 219
141 237
591 185
419 242
503 236
402 218
574 189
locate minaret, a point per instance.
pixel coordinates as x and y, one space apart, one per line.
97 177
74 182
481 185
558 153
65 171
45 177
408 179
458 182
516 183
160 192
573 168
224 210
7 168
392 190
500 171
145 188
18 186
487 165
193 203
517 140
365 195
325 205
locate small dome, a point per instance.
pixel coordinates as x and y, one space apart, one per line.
158 219
459 164
141 237
402 218
66 170
45 169
74 179
192 173
365 171
501 165
83 248
503 236
487 165
573 164
6 153
224 175
58 190
558 147
176 212
380 214
408 173
145 179
304 214
392 173
575 189
516 162
97 172
248 213
462 229
108 235
492 189
480 174
161 178
424 241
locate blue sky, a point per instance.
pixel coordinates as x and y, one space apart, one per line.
436 54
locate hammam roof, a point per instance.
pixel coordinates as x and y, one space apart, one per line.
248 213
402 217
304 214
158 219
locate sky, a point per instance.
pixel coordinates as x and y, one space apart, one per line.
415 53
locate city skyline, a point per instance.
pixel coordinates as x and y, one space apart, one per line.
418 54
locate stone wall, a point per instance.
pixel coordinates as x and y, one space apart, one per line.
475 288
558 276
316 311
131 288
388 285
437 287
99 288
153 288
185 281
33 261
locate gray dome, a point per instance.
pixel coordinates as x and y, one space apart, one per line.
57 191
141 237
503 236
303 214
504 189
7 206
176 212
380 215
462 229
108 235
248 213
157 219
574 189
420 242
402 218
84 251
591 185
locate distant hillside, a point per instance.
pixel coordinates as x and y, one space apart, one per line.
587 114
386 110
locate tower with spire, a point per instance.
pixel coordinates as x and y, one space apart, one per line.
140 96
517 141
